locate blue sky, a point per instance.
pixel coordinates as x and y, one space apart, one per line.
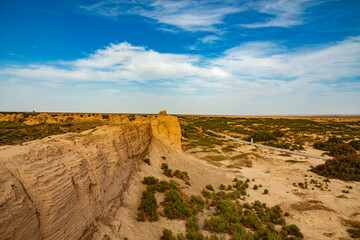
194 57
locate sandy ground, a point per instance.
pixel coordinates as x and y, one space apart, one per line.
319 214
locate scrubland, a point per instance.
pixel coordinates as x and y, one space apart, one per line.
220 189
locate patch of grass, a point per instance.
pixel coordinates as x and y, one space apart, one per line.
216 158
228 149
241 156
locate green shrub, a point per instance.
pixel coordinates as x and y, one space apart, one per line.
255 187
147 161
167 235
192 224
206 193
180 236
342 149
150 180
197 203
343 167
293 230
355 144
266 191
194 236
210 187
222 187
261 137
175 206
148 207
354 233
164 166
331 142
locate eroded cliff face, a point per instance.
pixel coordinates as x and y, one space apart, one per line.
167 129
56 187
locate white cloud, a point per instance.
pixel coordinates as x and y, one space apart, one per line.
190 15
207 15
251 69
255 61
122 63
285 13
210 39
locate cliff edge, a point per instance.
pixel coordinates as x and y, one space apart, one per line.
56 188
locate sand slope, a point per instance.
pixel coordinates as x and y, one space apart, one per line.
319 214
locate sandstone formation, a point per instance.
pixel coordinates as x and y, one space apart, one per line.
167 129
56 188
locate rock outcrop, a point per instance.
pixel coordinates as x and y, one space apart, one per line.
56 188
167 129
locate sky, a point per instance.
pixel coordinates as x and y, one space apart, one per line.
231 57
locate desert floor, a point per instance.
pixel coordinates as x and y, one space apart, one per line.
320 214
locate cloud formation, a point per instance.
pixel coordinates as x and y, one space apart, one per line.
283 13
251 68
189 15
207 15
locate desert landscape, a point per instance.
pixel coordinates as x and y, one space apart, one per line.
180 120
133 176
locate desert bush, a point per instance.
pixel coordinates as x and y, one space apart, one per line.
147 161
261 137
210 187
206 194
266 191
194 236
192 224
341 149
150 180
327 145
181 175
355 144
354 233
148 207
346 168
167 235
292 230
175 206
197 203
131 117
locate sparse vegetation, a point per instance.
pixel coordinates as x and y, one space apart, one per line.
249 221
147 161
278 132
354 233
344 167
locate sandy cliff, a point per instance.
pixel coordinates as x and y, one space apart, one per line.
56 188
167 129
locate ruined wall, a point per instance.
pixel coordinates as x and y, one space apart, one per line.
54 188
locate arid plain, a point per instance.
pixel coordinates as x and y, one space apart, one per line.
130 176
